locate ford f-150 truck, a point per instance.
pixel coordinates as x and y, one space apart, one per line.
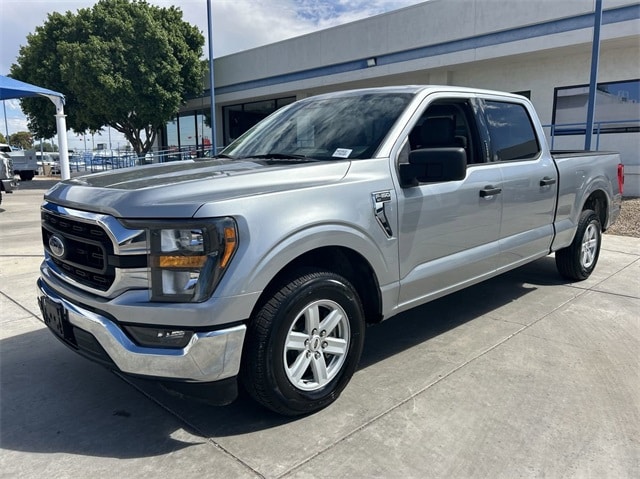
262 266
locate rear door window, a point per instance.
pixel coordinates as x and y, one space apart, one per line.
511 131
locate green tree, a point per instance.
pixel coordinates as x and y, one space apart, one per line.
122 63
3 139
46 146
23 139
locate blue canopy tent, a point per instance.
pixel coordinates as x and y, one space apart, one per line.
10 88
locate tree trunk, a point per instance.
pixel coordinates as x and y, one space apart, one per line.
133 135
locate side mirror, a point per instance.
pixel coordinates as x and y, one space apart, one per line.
434 165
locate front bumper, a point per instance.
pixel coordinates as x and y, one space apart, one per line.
209 356
9 186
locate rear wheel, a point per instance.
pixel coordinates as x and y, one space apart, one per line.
578 260
26 175
304 344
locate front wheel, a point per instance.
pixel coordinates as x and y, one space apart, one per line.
304 343
578 260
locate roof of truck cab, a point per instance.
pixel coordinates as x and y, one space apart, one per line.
415 89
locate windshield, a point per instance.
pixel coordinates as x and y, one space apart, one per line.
350 126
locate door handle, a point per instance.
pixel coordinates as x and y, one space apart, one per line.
546 181
490 191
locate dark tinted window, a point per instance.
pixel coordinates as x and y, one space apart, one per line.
511 130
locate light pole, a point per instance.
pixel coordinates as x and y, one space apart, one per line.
211 82
6 125
593 84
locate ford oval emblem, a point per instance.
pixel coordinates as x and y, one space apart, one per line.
56 245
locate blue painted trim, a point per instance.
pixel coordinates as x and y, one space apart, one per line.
616 15
595 61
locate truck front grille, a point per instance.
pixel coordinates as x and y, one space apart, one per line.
86 250
92 251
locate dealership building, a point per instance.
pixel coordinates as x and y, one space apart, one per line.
539 48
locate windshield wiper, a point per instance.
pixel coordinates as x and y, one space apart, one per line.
216 157
281 157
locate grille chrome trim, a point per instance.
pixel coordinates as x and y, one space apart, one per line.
126 279
125 241
103 232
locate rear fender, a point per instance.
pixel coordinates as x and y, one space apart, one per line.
567 224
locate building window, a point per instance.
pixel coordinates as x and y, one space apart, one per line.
187 129
239 118
172 139
617 108
203 126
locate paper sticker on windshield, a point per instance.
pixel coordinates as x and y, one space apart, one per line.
342 153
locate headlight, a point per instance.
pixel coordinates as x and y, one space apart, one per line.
188 259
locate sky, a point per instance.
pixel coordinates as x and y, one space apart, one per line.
237 25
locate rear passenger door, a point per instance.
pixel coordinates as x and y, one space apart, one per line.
529 183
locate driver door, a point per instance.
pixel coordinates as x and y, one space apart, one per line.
449 231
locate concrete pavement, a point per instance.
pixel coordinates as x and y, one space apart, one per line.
525 375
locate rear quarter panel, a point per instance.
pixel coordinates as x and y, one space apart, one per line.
581 174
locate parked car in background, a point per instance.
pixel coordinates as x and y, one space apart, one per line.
111 159
47 164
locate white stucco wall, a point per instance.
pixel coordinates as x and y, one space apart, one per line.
428 23
518 62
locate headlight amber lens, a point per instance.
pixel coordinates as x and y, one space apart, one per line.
181 261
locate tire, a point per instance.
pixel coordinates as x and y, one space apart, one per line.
578 260
26 175
304 344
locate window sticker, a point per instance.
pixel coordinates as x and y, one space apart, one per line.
342 153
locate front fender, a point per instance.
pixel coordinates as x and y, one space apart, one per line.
300 242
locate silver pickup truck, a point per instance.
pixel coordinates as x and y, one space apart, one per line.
263 266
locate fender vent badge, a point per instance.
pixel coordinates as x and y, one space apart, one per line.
380 198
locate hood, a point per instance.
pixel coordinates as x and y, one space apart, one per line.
178 190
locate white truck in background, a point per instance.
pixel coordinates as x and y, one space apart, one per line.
7 180
25 162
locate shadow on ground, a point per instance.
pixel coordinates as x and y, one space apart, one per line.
43 184
54 401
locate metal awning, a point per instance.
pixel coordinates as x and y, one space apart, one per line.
11 88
